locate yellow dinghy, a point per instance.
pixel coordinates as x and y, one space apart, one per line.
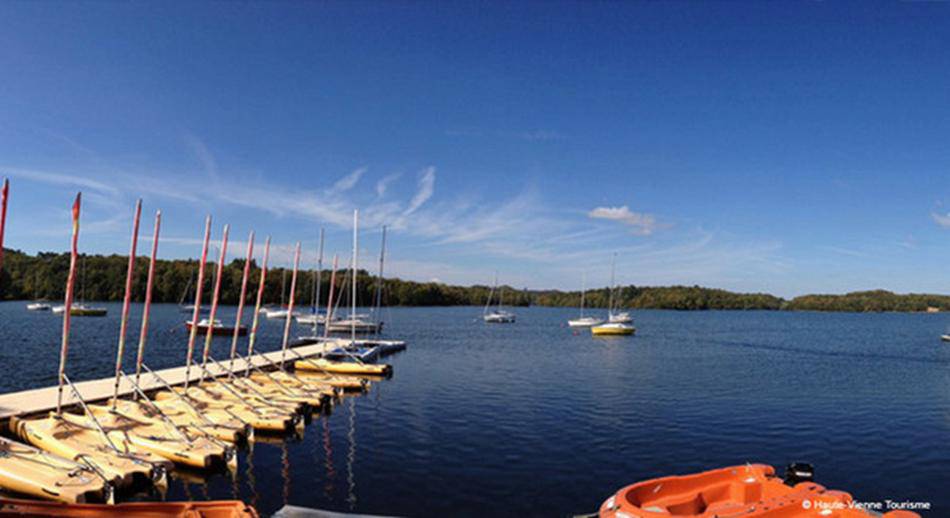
322 365
248 397
160 439
274 395
60 437
33 472
613 329
222 426
345 383
281 386
261 418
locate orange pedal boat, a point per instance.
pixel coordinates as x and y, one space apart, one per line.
210 509
751 490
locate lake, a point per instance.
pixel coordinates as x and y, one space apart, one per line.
532 419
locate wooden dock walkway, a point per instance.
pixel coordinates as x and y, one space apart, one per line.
42 400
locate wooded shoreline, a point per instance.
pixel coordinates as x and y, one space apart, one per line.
42 276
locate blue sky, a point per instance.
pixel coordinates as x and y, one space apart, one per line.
780 147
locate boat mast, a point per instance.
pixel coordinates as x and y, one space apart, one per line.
610 296
127 301
240 308
219 271
583 291
290 306
329 317
491 294
4 194
197 309
283 286
257 308
379 279
315 298
356 222
68 303
148 299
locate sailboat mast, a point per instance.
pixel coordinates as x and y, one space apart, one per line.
379 279
290 306
356 222
583 291
610 296
4 194
283 286
127 301
316 289
197 309
148 298
68 303
240 308
257 307
219 272
491 294
329 316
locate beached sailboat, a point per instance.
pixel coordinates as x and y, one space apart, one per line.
496 315
584 321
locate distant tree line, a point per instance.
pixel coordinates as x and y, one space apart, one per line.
102 278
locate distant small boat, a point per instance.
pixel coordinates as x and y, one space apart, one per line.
583 321
311 319
945 338
38 306
81 310
218 329
348 324
613 329
496 315
620 318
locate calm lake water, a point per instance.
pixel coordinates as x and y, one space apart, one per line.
531 419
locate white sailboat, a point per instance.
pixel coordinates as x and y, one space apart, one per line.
617 323
497 315
280 311
354 322
583 321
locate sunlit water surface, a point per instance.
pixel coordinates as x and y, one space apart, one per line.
532 419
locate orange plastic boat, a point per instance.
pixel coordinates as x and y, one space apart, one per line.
211 509
752 490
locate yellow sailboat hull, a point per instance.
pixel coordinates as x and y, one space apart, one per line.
59 437
157 437
262 419
350 368
39 474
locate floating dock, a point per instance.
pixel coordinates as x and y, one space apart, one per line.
42 400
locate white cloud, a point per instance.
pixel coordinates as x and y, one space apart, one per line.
383 184
349 181
941 219
643 224
203 154
425 190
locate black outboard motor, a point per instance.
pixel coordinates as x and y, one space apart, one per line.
797 472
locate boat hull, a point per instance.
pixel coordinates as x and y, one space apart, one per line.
218 330
613 329
38 474
210 509
326 366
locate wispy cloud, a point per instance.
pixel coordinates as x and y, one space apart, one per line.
347 182
61 179
382 185
425 190
640 223
203 154
941 219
